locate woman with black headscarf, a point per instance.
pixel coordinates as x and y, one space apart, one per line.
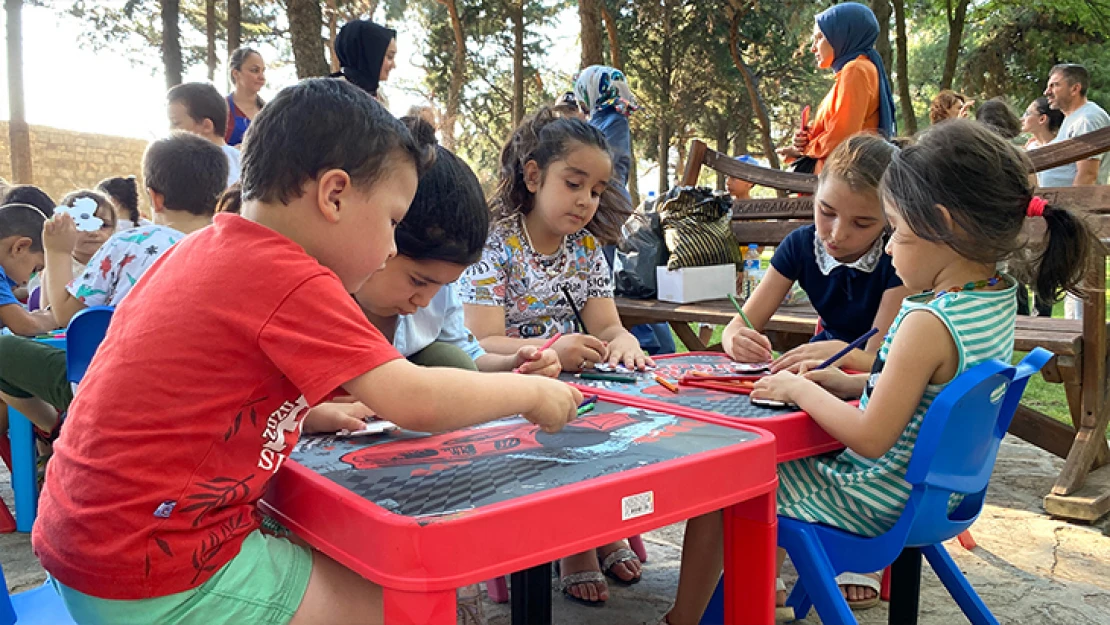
366 53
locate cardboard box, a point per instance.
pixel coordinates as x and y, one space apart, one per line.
696 284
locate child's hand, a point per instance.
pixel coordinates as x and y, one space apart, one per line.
747 345
556 405
836 382
579 351
811 353
59 234
801 139
626 350
530 360
781 386
332 417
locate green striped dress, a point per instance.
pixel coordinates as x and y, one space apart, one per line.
866 496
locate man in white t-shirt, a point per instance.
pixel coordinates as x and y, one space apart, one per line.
198 108
1067 92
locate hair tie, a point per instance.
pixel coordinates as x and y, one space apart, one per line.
1036 207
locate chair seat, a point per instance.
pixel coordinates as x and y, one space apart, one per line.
40 606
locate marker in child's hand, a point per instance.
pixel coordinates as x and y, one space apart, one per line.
546 345
844 352
584 409
739 309
805 117
592 399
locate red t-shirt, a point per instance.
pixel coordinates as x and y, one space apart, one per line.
194 400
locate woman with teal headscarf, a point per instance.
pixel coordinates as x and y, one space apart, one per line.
861 98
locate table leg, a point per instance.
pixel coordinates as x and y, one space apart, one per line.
750 529
905 587
400 607
530 595
24 476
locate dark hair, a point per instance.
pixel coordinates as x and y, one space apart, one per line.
30 195
997 115
125 193
546 137
316 125
202 102
448 219
102 202
1055 116
22 220
1073 73
983 183
938 108
231 200
188 170
859 161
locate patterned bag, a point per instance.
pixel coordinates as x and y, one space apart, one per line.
697 228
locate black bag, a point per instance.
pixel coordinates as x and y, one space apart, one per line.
639 252
697 228
805 165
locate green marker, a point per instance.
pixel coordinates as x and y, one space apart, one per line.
732 298
584 409
608 377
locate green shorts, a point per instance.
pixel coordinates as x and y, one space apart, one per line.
263 585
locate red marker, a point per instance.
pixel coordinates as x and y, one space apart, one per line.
805 117
546 345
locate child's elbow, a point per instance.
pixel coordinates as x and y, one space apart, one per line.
872 449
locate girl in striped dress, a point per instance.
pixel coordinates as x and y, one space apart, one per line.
949 235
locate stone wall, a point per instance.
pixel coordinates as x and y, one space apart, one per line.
65 160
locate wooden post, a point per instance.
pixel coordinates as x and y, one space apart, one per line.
18 132
693 163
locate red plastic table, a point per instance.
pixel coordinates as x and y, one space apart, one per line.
796 434
422 515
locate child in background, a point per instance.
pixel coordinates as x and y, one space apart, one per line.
414 299
948 239
839 262
65 263
184 175
198 108
550 214
231 200
30 195
21 256
327 175
124 193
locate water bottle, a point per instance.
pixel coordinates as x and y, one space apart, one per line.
752 271
650 198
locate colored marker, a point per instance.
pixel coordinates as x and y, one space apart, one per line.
546 345
805 117
853 345
584 409
592 399
667 384
604 377
574 309
736 304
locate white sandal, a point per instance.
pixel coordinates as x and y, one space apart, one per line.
856 579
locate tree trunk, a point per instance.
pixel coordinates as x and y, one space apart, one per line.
305 22
723 127
909 117
332 15
957 18
458 77
516 12
234 25
171 41
614 42
589 17
664 153
19 135
752 84
633 175
210 33
881 9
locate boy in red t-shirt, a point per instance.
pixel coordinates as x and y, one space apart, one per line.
148 512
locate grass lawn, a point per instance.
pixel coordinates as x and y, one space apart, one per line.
1043 396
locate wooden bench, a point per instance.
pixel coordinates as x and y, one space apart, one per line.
1080 346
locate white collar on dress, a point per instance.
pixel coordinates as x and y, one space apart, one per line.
866 263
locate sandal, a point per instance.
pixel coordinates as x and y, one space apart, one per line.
616 557
783 613
469 606
581 577
855 579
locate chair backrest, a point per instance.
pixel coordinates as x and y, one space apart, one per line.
958 443
7 610
85 332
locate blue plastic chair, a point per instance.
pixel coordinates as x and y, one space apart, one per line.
39 606
954 454
83 335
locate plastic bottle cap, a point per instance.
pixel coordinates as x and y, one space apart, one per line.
753 246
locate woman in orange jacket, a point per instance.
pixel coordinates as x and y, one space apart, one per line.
860 100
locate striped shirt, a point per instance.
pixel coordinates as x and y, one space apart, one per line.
866 496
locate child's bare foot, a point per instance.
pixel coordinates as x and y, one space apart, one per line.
619 561
581 579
